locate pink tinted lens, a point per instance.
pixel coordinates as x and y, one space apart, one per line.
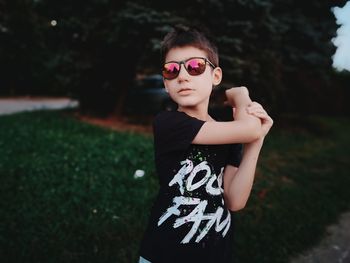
195 66
171 70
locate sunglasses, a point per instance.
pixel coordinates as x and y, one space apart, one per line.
194 66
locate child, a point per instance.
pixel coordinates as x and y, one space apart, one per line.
197 158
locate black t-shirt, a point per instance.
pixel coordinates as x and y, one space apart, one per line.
189 221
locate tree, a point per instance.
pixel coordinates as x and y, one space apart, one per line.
280 49
104 43
21 48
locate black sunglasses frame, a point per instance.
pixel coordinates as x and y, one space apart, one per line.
183 63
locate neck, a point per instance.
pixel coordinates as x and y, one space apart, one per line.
198 112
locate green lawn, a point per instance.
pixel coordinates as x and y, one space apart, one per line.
68 193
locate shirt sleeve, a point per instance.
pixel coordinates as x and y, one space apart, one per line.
235 154
174 131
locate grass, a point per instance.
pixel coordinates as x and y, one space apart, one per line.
68 194
301 186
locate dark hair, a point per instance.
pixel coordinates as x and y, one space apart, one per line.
182 36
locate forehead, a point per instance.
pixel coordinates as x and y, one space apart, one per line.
183 53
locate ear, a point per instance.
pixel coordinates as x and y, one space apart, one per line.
217 76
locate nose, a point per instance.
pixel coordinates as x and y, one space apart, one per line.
183 74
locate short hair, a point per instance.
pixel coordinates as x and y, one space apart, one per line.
182 36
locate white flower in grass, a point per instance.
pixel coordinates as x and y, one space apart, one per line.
139 174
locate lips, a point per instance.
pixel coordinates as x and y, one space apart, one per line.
184 90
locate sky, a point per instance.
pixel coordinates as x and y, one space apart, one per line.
341 58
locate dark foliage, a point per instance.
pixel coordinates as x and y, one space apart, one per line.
281 50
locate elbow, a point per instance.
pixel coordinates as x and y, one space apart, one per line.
256 135
235 202
236 206
255 130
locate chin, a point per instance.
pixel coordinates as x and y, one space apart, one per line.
187 103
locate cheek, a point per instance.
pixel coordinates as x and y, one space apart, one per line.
206 82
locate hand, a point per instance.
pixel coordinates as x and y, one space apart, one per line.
237 95
257 110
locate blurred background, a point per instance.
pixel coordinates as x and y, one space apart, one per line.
96 50
73 192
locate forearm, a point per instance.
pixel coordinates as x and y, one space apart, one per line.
240 100
238 182
246 128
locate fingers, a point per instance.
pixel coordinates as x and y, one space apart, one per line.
255 108
255 105
265 119
260 115
266 122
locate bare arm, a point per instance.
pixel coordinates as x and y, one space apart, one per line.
245 128
238 182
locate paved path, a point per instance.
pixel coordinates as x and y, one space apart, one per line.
334 248
13 105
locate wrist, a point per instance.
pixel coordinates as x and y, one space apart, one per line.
238 97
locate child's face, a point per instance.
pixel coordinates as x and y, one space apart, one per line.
191 91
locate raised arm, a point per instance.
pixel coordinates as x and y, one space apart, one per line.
245 128
238 182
